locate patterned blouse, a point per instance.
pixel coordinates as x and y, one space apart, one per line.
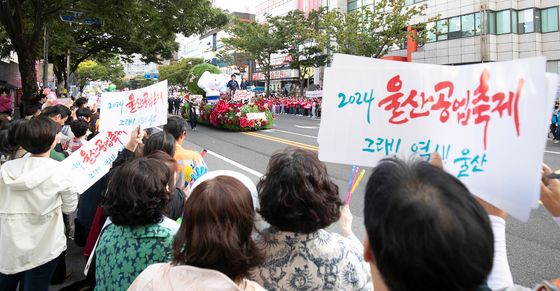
124 252
316 261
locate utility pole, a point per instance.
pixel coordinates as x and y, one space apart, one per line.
45 56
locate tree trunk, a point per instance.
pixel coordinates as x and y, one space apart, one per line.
267 74
28 78
301 81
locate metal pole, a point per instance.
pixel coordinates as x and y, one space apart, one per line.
45 57
68 74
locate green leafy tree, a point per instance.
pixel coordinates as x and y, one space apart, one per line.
102 26
104 70
177 73
259 41
372 33
301 37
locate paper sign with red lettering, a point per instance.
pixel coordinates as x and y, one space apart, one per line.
94 159
487 121
242 95
146 107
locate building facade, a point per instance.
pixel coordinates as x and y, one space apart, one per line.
472 31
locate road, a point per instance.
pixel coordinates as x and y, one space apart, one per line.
533 247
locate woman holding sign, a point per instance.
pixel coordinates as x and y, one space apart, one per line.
299 200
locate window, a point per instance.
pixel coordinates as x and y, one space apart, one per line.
549 19
352 5
514 21
410 2
467 25
503 22
491 22
442 29
431 32
454 24
525 21
477 23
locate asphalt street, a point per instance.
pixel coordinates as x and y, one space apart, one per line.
533 247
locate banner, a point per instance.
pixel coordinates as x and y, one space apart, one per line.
487 121
94 159
256 116
94 99
242 95
314 94
146 107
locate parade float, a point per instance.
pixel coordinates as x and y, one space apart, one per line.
241 112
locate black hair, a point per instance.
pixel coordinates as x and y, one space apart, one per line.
162 141
53 111
80 102
79 127
233 75
138 193
297 194
65 110
426 230
175 126
37 135
12 129
83 112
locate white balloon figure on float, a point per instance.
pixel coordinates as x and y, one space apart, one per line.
213 85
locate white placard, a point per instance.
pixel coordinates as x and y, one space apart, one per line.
314 94
256 116
94 159
242 95
125 110
488 121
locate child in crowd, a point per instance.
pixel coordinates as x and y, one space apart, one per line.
35 192
79 130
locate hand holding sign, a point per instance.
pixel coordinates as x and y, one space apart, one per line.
479 118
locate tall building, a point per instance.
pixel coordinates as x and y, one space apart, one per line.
471 31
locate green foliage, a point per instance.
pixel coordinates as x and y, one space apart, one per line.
177 73
258 40
139 82
300 35
104 70
368 33
124 27
194 76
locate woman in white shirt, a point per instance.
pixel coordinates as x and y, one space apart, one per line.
35 192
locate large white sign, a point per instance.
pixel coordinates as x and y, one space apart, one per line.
94 159
488 121
243 95
125 110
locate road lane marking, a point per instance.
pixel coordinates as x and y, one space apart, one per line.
283 141
294 133
306 127
551 152
242 167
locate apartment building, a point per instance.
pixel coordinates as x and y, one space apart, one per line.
471 31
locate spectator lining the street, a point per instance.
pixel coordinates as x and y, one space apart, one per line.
174 209
79 130
213 249
6 102
299 200
191 163
138 234
35 192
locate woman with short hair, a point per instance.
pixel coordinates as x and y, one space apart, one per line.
299 200
139 234
213 249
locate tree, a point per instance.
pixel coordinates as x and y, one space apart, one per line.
258 40
177 73
101 26
300 35
103 70
372 33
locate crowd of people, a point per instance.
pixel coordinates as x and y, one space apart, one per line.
161 220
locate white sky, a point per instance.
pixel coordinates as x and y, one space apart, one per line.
238 5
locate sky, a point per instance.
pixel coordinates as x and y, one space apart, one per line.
238 5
